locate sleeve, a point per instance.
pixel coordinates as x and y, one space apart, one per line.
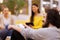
27 32
32 33
1 23
12 21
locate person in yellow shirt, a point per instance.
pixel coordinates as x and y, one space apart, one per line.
36 17
35 22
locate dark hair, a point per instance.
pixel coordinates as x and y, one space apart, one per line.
53 17
32 15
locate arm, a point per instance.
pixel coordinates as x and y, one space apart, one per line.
27 32
14 27
2 27
12 20
1 24
20 29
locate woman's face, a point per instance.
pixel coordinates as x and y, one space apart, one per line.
34 8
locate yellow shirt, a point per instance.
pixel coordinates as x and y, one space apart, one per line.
37 22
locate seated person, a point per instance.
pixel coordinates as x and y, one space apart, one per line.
35 21
5 20
52 32
36 17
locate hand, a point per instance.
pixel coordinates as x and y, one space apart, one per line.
2 27
14 27
26 26
10 27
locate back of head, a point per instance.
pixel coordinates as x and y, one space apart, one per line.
53 17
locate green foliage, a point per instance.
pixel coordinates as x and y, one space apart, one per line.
10 4
20 4
14 4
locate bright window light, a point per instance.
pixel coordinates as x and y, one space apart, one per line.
1 1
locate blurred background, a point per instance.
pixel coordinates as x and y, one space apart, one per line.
21 9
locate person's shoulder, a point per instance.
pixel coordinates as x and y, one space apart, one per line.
40 15
44 30
11 16
1 15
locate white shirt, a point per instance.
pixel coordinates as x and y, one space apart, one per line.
6 21
51 33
